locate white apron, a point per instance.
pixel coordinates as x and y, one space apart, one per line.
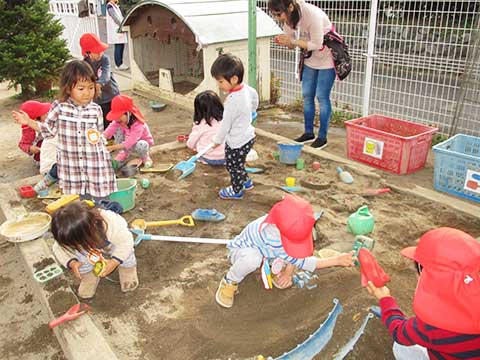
113 37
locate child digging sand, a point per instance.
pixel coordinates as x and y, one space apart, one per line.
285 233
446 324
236 128
130 130
84 236
208 113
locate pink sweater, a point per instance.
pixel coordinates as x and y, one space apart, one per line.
202 136
313 24
138 131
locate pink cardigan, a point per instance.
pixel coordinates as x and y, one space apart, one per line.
202 136
138 131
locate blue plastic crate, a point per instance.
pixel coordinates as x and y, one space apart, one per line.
457 166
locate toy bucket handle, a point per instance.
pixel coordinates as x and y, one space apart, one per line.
364 211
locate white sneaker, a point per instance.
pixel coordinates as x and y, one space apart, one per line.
122 67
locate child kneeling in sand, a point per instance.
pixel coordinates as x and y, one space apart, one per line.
286 233
85 236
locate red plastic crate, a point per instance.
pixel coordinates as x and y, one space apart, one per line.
397 146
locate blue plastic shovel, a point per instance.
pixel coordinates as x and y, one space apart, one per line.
187 167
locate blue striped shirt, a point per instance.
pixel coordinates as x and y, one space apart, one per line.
266 238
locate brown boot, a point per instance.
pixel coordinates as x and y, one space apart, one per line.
128 278
88 285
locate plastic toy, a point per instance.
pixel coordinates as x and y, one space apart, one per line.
74 312
361 222
48 273
266 275
345 176
207 215
370 270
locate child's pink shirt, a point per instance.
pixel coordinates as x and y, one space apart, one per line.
138 131
202 136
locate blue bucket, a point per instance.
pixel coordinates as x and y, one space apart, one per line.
289 153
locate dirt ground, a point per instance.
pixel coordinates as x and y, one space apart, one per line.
173 314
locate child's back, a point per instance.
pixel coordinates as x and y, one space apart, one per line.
202 136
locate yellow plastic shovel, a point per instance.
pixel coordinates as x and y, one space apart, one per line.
141 224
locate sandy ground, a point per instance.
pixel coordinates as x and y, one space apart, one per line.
173 314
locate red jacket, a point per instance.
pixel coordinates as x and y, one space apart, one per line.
441 344
29 138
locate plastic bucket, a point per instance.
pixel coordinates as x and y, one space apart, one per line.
289 153
125 195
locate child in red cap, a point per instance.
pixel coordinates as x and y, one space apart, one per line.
107 88
446 324
285 233
31 141
130 130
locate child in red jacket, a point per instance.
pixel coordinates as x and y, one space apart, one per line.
446 324
31 141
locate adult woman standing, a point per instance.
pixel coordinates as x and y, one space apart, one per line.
114 19
304 25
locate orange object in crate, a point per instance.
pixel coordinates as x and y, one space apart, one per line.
397 146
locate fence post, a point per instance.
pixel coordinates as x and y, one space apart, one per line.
252 43
370 56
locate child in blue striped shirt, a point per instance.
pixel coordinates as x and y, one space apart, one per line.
285 233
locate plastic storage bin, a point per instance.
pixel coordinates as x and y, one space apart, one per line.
125 195
289 153
457 166
397 146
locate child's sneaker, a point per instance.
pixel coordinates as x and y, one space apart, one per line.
226 293
228 194
44 184
248 185
128 278
88 286
147 162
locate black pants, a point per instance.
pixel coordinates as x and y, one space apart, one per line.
235 164
106 107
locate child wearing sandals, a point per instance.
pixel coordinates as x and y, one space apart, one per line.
94 235
285 233
129 128
208 112
236 129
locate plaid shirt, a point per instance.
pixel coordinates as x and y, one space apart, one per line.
83 167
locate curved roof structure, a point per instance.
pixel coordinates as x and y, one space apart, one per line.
212 21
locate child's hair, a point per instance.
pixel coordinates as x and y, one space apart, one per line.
207 105
227 66
77 226
73 72
281 6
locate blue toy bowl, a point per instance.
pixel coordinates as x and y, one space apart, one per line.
289 153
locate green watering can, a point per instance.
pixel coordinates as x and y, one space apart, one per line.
361 222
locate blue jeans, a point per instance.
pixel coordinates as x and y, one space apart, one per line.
118 53
319 83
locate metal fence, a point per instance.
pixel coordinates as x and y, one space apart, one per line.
410 61
77 18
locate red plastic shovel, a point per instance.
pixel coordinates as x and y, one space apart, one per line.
373 192
370 270
74 312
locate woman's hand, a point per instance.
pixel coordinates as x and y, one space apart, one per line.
110 265
34 149
346 259
284 40
74 267
379 293
114 147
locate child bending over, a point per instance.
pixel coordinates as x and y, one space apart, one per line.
83 162
31 140
208 112
446 324
286 233
130 131
236 128
94 235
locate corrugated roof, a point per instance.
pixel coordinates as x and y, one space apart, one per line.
213 21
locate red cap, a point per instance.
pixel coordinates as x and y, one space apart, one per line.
370 270
293 217
35 109
122 104
449 286
91 43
